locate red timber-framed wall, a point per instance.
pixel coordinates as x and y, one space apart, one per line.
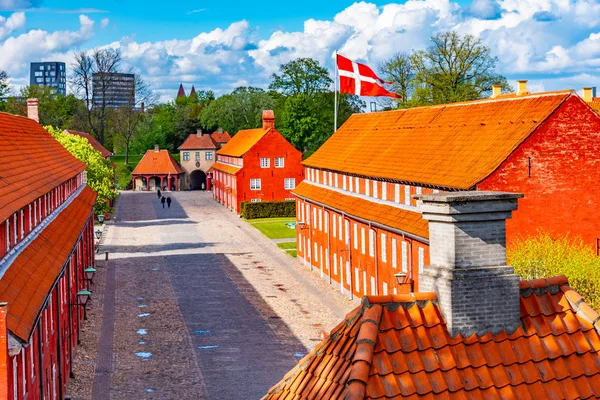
46 242
360 256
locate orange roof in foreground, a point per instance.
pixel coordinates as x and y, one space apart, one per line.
95 144
223 137
453 146
394 217
398 347
193 141
157 162
31 164
228 169
241 142
28 280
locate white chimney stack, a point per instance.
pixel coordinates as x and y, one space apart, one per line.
588 94
33 110
156 148
521 87
496 91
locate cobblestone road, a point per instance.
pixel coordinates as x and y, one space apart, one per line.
197 304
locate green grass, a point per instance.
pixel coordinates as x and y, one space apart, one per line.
274 228
124 171
292 253
287 246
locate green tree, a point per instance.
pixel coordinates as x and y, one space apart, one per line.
301 76
400 70
100 174
4 86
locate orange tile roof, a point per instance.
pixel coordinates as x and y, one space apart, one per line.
28 280
451 146
241 142
398 218
95 144
228 169
398 346
223 137
32 163
157 163
595 104
195 142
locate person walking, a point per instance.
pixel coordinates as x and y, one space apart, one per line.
162 200
158 193
169 202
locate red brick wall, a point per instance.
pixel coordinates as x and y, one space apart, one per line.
561 195
272 145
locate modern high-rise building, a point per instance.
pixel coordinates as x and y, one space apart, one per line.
49 73
114 90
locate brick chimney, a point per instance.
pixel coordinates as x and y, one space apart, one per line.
588 94
198 132
268 119
496 91
33 110
477 291
156 148
521 87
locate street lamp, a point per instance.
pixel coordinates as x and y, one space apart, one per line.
89 273
402 278
100 218
82 298
98 233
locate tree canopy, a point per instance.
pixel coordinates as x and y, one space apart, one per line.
301 76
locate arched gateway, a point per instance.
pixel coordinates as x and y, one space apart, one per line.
198 180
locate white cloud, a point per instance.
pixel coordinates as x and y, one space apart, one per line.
11 5
12 23
104 23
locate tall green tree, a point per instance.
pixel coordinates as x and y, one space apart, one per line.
400 70
100 174
301 76
4 86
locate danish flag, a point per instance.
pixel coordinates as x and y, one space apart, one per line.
360 80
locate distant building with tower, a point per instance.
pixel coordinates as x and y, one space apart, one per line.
181 92
49 73
115 90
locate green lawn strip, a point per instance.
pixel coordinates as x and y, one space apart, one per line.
275 229
292 253
287 245
269 220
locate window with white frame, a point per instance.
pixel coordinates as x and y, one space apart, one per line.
419 190
326 222
350 184
314 213
372 243
208 155
356 236
340 227
186 156
335 264
357 182
23 374
362 240
290 199
367 187
320 219
421 259
336 179
289 183
404 257
279 162
316 252
307 213
197 156
334 230
436 191
265 162
344 182
384 190
255 200
375 189
383 247
397 193
330 178
407 195
394 261
255 184
15 381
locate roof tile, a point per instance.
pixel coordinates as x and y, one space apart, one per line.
201 142
241 142
157 163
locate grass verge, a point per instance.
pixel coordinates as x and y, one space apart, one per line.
274 228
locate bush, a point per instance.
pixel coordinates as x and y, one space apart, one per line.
543 256
268 209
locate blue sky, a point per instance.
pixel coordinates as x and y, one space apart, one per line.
220 45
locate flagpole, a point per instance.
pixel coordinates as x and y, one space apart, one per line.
335 88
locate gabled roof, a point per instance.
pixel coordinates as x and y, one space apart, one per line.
95 143
157 162
180 92
228 169
450 146
193 91
398 346
221 137
242 141
31 164
30 277
195 142
390 216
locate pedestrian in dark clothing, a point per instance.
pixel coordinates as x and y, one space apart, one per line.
158 193
162 200
169 202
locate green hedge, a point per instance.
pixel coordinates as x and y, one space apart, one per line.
544 256
268 209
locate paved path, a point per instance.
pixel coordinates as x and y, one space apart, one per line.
205 305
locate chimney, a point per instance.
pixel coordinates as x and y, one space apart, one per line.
220 130
33 110
477 292
268 119
198 132
142 107
156 148
521 87
496 91
588 94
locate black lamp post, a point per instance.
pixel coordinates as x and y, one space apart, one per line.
402 278
82 298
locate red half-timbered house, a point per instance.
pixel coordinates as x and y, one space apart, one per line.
357 219
256 165
46 243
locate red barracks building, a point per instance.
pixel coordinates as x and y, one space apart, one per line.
358 224
46 243
256 165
